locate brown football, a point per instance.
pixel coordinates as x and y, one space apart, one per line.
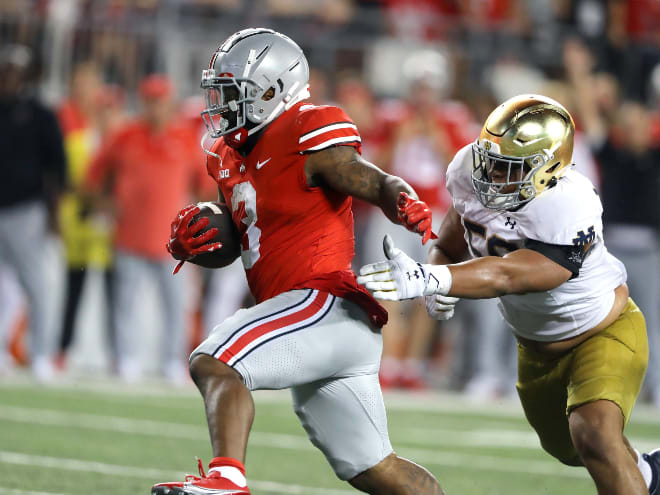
219 216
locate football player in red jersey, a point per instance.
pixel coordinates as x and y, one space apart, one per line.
288 170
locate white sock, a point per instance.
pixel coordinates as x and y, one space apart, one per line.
232 473
644 468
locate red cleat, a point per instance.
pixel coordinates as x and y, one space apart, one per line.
219 481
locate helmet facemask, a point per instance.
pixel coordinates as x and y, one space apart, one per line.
226 99
504 182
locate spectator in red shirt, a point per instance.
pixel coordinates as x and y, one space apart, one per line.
145 171
422 132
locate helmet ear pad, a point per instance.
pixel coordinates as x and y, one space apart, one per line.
255 111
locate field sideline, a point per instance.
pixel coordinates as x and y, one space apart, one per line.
100 437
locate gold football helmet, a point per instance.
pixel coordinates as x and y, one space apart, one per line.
525 145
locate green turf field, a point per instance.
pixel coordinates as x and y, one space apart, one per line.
105 438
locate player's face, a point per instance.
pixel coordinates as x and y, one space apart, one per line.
504 172
224 101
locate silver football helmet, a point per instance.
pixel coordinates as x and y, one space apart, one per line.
253 77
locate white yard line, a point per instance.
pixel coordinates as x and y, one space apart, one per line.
14 491
437 455
144 427
429 437
499 437
431 402
156 475
492 463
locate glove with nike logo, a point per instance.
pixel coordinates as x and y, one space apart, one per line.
401 277
415 215
184 244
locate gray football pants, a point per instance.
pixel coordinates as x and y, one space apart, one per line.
323 348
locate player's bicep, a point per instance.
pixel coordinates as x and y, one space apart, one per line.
344 170
450 246
531 271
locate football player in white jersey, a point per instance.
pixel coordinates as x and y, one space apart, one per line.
533 229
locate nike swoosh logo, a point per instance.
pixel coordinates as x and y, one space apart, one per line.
261 164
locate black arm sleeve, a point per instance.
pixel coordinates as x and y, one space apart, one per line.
570 257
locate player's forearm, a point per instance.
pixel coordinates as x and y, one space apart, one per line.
391 186
486 277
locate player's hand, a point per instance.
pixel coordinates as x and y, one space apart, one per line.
401 277
415 215
440 307
184 244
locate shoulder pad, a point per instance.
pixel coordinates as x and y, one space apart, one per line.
320 127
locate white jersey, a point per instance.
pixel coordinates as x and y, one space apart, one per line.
568 214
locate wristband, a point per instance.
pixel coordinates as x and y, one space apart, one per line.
438 279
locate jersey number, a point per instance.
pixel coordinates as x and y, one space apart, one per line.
495 244
245 193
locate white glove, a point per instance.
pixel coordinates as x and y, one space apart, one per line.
440 307
400 277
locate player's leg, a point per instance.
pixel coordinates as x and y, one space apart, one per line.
345 418
606 374
255 348
542 390
597 432
228 404
597 382
344 415
396 475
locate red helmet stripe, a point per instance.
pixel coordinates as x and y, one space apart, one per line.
215 55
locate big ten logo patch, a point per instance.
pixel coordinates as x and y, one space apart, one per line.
223 173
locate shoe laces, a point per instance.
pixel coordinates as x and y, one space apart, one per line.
200 468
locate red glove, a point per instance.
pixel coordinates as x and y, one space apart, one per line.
183 243
415 215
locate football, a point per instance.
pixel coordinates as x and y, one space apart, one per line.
219 216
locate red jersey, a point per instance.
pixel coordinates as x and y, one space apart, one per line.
293 235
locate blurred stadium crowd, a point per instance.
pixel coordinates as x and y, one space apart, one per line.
100 131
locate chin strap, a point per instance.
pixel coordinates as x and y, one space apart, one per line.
205 137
